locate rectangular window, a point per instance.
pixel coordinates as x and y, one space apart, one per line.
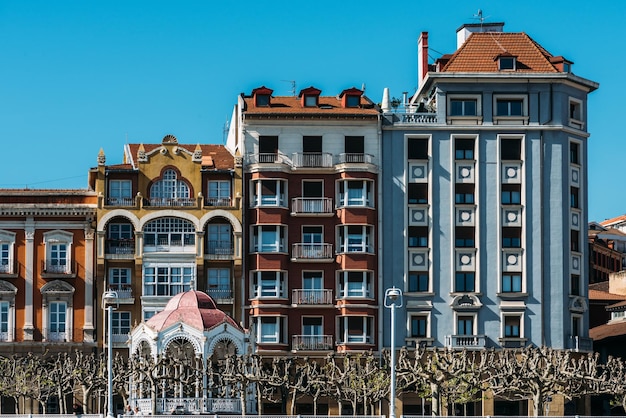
5 258
511 283
464 194
268 284
312 188
509 107
573 197
417 193
167 280
57 320
121 323
506 63
4 321
268 148
576 113
218 283
510 149
268 238
417 148
355 193
219 193
418 236
354 144
355 284
464 237
511 237
574 153
355 238
312 144
270 329
355 329
269 192
418 281
419 326
463 107
575 285
312 326
575 240
464 282
119 277
463 149
58 255
312 234
120 231
511 194
512 326
120 189
465 325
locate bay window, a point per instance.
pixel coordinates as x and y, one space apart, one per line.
355 238
268 284
355 193
268 238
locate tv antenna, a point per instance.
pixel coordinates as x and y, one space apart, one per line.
480 17
293 86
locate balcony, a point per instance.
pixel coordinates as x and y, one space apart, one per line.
117 249
177 202
466 341
219 250
120 201
221 294
304 206
57 269
312 342
312 160
193 406
124 293
55 335
218 201
267 158
312 297
356 158
578 343
312 252
408 115
119 339
8 270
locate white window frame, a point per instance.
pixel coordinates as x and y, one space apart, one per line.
464 117
513 314
351 241
175 277
419 314
458 315
318 330
264 286
218 283
7 311
364 199
269 238
264 325
277 199
119 277
57 321
169 234
347 277
344 326
58 251
120 189
7 250
121 324
219 192
120 231
169 187
576 120
53 292
508 118
512 273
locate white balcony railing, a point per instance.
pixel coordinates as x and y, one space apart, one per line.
312 205
312 342
312 297
218 201
312 251
121 201
312 160
578 343
166 202
355 157
465 341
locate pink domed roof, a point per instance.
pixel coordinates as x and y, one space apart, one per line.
193 308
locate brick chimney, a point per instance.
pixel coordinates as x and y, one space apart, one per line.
422 58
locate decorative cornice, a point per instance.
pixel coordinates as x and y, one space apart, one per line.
47 210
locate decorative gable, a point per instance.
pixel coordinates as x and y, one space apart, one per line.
262 96
351 97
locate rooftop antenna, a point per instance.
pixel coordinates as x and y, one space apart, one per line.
293 86
480 17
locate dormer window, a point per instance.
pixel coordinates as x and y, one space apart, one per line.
506 62
309 97
352 101
351 97
262 96
562 64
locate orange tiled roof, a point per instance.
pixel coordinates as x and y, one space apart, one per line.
607 330
327 106
220 156
595 294
480 51
617 219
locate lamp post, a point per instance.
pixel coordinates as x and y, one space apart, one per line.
393 300
108 298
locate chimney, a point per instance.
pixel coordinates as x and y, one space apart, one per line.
422 58
467 29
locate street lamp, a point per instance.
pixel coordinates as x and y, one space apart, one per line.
393 300
108 298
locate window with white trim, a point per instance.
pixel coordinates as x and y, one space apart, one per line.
7 245
268 238
218 283
510 108
170 235
270 329
418 281
119 278
420 325
464 105
356 330
58 252
57 321
512 325
268 192
576 113
355 239
120 324
355 193
312 326
169 187
355 284
219 193
465 325
120 189
162 279
268 284
511 282
4 320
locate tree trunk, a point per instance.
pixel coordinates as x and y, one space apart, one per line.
436 400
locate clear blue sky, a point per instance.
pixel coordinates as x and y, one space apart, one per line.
77 76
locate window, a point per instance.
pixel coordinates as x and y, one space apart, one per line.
506 63
576 325
167 280
355 193
573 197
58 252
510 107
57 317
120 324
463 107
312 234
418 236
312 326
511 237
270 329
417 148
464 149
219 239
355 329
575 240
120 189
511 194
310 100
119 277
169 234
119 231
574 153
169 187
464 193
4 321
312 188
269 192
417 193
575 285
511 149
355 238
465 325
418 281
268 284
355 284
464 282
464 237
576 113
268 238
354 145
419 326
262 100
218 283
219 193
7 242
511 283
353 100
512 326
268 149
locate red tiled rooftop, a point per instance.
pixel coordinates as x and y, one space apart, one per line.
327 106
616 220
608 330
220 156
480 51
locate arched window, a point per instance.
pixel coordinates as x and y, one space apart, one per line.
169 187
169 235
